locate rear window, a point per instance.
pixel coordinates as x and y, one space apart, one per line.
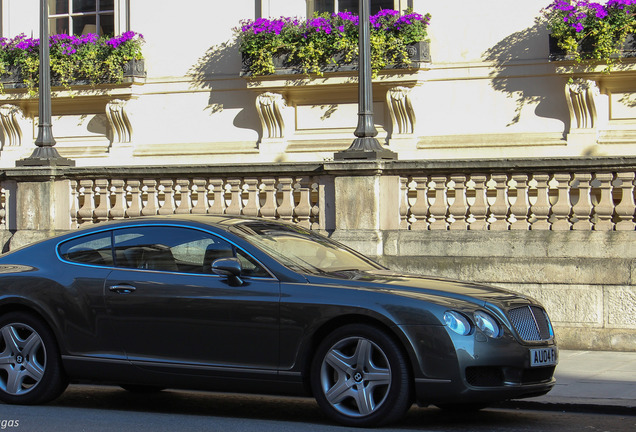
93 249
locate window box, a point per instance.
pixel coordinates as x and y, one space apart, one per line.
419 54
628 50
131 69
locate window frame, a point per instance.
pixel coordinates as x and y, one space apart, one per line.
111 232
399 5
119 12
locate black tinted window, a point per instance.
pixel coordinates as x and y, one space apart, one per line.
92 249
176 249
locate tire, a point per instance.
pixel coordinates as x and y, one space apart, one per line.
360 377
30 365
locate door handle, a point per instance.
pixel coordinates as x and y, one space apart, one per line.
122 289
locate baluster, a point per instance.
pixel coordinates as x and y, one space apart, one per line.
286 209
315 207
521 208
604 209
459 208
85 213
218 190
3 208
479 209
562 208
404 203
625 208
152 204
118 211
252 207
541 208
74 203
439 208
201 187
582 211
102 193
134 209
303 208
168 207
268 210
236 197
185 203
499 209
420 209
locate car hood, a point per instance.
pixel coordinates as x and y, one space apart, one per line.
422 287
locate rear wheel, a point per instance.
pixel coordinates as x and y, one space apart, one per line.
30 365
360 377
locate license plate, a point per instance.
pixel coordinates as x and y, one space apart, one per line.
543 357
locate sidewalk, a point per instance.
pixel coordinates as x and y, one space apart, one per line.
590 380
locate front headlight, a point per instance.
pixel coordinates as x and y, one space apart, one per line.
487 324
457 323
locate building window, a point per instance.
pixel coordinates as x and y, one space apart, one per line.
333 6
78 17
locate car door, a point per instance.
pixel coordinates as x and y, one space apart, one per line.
171 313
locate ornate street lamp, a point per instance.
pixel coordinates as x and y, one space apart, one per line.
45 154
365 146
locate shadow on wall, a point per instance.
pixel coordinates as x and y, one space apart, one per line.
212 71
513 57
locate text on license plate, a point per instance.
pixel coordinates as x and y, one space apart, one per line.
543 357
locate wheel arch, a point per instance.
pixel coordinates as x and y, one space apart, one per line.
326 328
19 305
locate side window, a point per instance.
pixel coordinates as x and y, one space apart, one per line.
175 249
92 249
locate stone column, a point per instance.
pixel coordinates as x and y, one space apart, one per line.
41 203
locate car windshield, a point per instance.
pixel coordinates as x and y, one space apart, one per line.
302 250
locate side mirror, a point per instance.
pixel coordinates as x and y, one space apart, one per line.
229 267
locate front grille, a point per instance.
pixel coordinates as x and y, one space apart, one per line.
496 376
484 376
531 323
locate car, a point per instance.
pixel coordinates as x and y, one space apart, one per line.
237 304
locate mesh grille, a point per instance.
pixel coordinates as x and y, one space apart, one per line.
531 323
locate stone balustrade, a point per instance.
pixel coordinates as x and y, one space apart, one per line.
289 198
580 200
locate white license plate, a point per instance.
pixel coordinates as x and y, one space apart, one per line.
543 357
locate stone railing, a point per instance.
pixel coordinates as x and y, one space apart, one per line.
526 198
293 197
557 201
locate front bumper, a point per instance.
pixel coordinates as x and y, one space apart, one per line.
453 369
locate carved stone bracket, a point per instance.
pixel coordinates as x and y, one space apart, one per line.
119 121
270 108
10 117
581 96
398 100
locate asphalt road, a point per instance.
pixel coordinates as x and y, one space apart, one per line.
101 409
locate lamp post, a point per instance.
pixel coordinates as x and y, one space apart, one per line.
365 146
45 154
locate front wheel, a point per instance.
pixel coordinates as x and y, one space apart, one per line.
30 365
360 377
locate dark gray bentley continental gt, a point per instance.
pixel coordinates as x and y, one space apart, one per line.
249 305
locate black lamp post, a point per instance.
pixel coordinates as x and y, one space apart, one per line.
45 153
365 146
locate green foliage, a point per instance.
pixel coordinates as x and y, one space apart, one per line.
325 39
88 58
589 30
